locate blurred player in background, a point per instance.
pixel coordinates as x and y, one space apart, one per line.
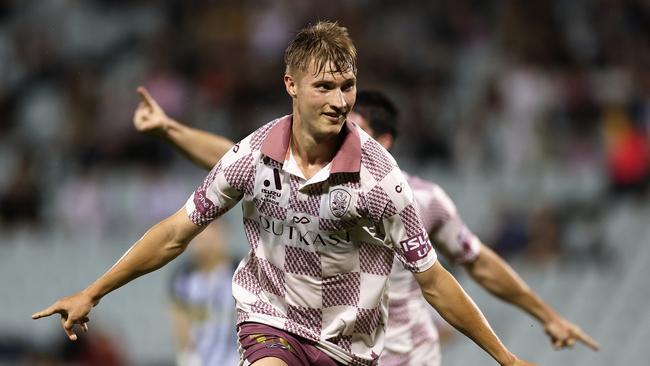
326 210
411 336
202 309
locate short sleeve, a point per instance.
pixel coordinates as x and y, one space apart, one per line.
408 236
225 185
391 206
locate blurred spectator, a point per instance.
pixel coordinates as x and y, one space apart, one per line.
628 154
96 348
545 241
21 200
511 231
203 309
81 207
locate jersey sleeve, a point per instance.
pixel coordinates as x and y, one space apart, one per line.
451 235
406 233
391 206
225 185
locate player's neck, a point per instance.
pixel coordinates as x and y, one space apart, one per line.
310 152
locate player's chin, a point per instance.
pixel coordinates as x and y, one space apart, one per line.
333 128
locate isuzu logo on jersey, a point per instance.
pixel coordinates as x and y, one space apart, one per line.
416 247
339 202
272 194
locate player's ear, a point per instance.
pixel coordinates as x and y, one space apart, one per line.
290 85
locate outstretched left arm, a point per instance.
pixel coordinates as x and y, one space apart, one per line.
441 290
496 276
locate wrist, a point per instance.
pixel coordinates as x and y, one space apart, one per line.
538 309
92 295
169 129
508 360
546 315
169 125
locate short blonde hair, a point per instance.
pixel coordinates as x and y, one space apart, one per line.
324 43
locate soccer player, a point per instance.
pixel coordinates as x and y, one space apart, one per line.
326 210
411 336
202 308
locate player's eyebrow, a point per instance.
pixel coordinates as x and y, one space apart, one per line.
351 80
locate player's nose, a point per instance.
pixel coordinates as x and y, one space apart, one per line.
338 102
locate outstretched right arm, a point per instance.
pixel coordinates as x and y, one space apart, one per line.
162 243
202 148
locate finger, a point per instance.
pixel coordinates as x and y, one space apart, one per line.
140 113
67 328
141 108
144 108
557 344
46 312
587 340
570 342
83 323
145 125
147 98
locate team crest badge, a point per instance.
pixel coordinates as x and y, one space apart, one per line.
339 202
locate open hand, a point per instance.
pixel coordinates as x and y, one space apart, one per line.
563 334
73 309
149 117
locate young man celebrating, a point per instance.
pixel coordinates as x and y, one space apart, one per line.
326 209
411 336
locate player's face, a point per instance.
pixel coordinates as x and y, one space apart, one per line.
356 118
322 100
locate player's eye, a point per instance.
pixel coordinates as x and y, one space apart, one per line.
324 87
348 86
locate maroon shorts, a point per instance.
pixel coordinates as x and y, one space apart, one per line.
259 341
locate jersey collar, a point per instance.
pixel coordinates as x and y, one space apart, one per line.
346 160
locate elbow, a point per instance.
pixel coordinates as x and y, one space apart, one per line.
174 248
434 283
479 269
431 294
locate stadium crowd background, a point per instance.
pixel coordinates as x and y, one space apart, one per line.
533 115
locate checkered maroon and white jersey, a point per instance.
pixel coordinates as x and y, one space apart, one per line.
411 337
440 217
321 249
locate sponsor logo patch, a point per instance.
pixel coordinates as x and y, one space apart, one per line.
202 202
416 247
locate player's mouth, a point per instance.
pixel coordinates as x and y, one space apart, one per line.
334 117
